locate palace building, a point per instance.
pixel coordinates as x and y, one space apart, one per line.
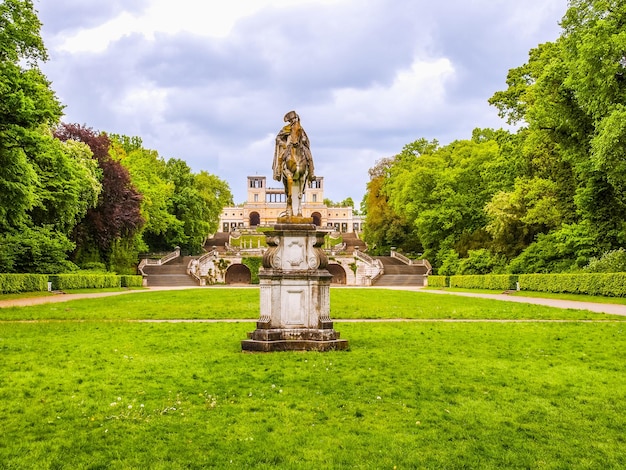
264 205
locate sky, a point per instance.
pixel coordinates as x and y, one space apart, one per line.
210 81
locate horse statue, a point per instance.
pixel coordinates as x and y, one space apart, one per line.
293 162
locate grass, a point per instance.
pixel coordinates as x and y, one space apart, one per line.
25 295
542 295
243 303
101 393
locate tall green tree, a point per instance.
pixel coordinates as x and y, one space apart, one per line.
27 107
45 187
384 227
571 96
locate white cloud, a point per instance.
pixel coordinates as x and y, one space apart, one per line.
414 91
197 17
210 84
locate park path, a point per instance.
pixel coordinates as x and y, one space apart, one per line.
612 309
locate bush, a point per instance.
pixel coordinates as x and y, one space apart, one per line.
84 281
131 281
437 281
610 262
39 250
488 281
16 283
477 262
94 266
605 284
254 264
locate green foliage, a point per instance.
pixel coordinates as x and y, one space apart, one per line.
491 281
384 227
35 250
124 255
563 250
131 281
545 199
478 262
84 281
438 281
450 262
605 284
15 283
441 191
254 264
613 261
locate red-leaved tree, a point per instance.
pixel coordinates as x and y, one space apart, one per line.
117 214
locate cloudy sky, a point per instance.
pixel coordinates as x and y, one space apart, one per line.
210 81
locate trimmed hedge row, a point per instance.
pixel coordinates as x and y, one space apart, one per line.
94 281
16 283
606 284
84 281
484 281
127 280
437 281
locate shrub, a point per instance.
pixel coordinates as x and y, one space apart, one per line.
16 283
606 284
254 264
488 281
438 281
611 262
84 281
478 262
131 281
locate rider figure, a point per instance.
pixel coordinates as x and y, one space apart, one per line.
290 137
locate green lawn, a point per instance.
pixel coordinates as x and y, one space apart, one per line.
243 303
102 393
542 295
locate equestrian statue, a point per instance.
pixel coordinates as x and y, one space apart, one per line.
293 162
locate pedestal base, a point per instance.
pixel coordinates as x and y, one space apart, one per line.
293 339
294 293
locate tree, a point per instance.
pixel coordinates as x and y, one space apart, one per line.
197 202
27 106
117 214
572 96
384 227
442 192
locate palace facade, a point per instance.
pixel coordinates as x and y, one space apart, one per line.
264 205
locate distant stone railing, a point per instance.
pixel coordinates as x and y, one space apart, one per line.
374 263
158 261
365 257
411 262
192 267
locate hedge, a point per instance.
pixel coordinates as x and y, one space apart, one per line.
484 281
16 283
84 281
606 284
131 281
254 264
437 281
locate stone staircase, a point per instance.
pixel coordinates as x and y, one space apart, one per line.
352 242
218 241
398 273
171 274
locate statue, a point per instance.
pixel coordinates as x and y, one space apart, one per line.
293 162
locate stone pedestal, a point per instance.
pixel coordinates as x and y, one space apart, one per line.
295 293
